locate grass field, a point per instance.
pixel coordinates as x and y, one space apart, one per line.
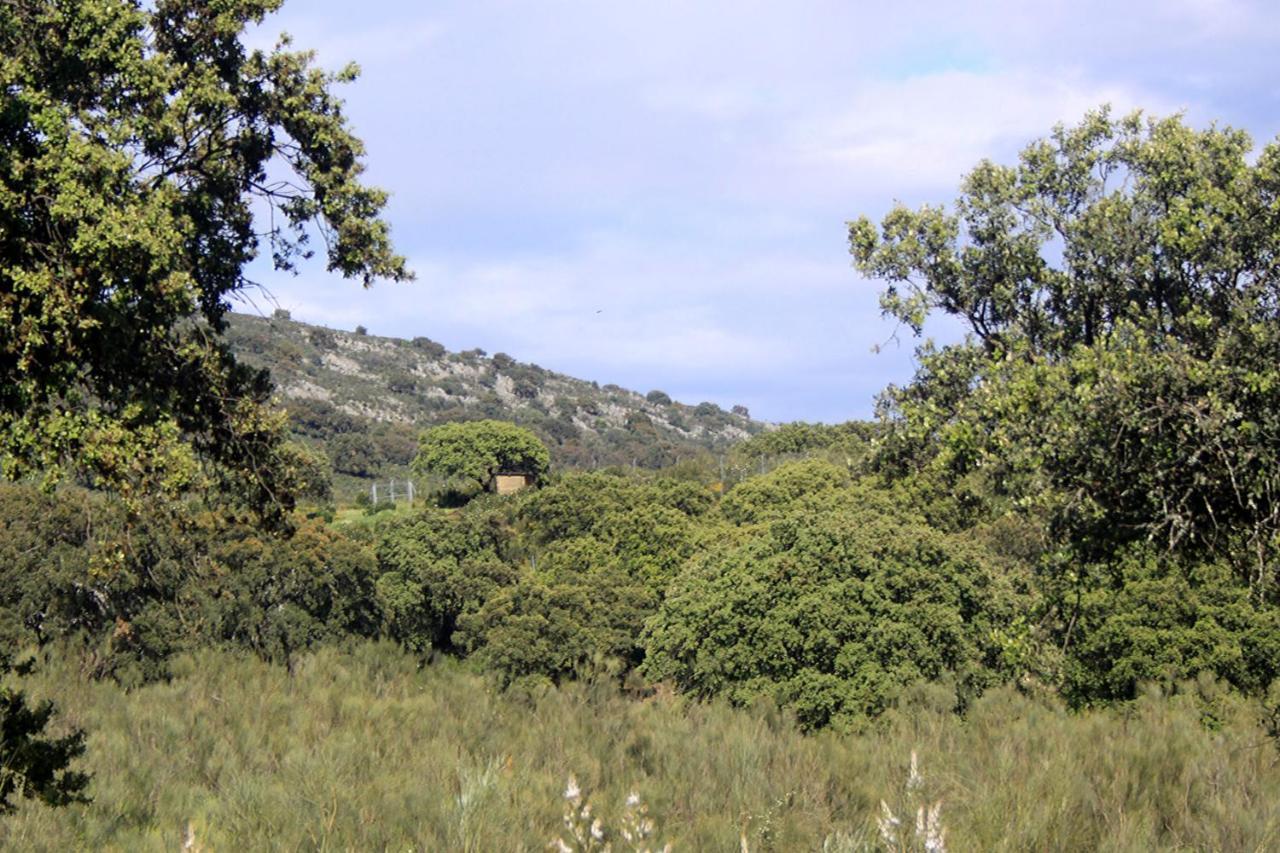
362 750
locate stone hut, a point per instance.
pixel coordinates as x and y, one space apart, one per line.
510 482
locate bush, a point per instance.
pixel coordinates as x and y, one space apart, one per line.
280 596
132 591
1148 618
830 610
402 382
429 347
783 490
355 454
565 575
433 569
658 398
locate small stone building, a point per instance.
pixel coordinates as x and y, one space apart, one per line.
510 482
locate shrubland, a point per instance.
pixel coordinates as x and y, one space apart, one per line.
1050 571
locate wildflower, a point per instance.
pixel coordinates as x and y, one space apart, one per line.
914 779
888 826
930 831
572 791
930 835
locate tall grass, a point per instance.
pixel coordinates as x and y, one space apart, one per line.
361 750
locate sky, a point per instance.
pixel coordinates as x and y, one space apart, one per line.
655 194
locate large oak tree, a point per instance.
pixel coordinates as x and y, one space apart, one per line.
146 156
1120 285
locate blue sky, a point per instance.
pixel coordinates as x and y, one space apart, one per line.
654 194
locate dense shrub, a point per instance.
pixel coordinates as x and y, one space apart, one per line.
429 347
1147 618
781 490
658 398
132 591
277 596
581 606
545 584
832 610
355 454
435 567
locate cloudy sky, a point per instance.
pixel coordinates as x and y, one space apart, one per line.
654 194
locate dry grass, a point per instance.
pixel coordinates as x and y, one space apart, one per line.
361 751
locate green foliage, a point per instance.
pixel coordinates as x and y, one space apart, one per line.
354 454
582 610
133 591
1120 387
799 438
279 596
477 451
137 140
545 585
1146 621
428 346
783 490
436 567
831 608
1122 365
658 398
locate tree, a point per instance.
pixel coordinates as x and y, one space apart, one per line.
477 451
136 141
1119 386
1122 369
658 398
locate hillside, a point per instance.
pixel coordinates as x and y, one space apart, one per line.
365 398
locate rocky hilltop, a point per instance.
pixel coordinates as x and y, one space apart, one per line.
364 398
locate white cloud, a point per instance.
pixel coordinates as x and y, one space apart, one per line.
927 131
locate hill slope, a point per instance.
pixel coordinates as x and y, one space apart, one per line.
365 398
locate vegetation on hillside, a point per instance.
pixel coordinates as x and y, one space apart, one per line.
363 400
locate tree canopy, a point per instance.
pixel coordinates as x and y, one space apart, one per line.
146 156
477 451
1122 368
